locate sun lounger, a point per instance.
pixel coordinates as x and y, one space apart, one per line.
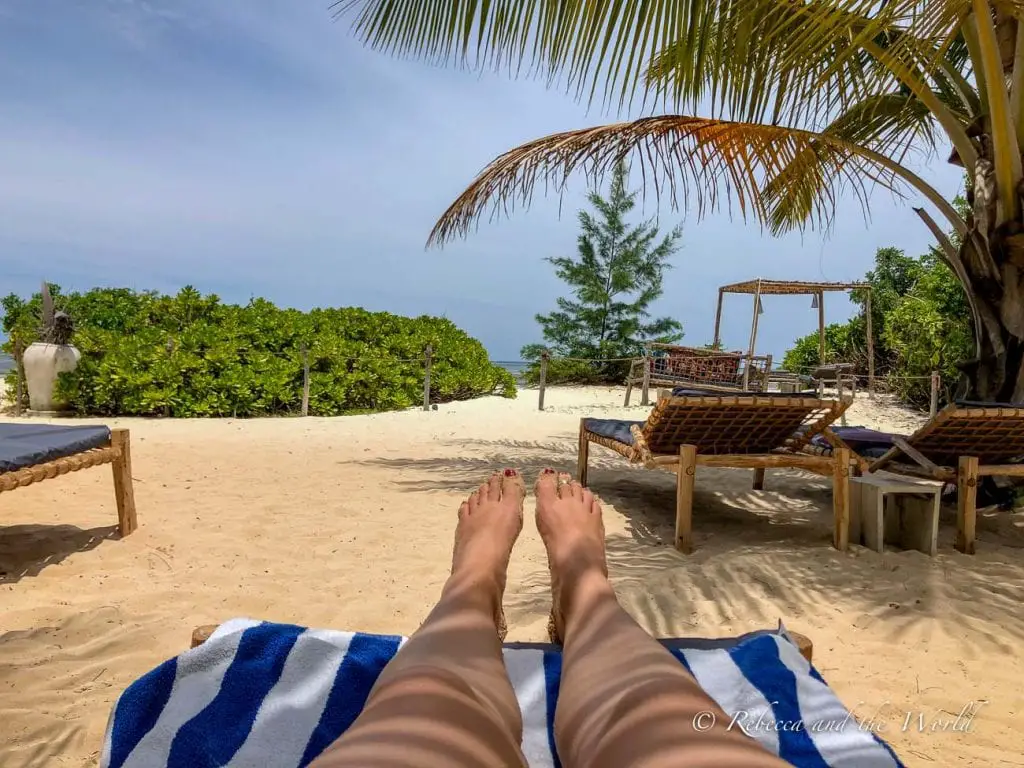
695 427
961 444
276 695
31 453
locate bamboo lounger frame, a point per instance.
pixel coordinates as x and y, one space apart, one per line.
117 453
202 633
735 432
959 445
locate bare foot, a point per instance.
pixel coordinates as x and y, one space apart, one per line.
570 523
489 524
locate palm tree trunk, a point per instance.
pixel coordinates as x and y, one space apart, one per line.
992 253
996 284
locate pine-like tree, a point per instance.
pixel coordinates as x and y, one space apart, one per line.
614 278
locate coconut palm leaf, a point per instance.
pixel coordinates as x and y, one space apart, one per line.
890 124
720 163
605 46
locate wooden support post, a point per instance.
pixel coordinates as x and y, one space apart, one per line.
871 345
933 406
753 336
305 381
645 393
718 319
759 479
686 474
583 455
201 634
821 328
967 503
841 498
427 362
544 357
19 375
170 353
124 492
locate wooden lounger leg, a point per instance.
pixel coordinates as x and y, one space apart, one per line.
841 498
685 476
966 503
124 492
584 453
759 479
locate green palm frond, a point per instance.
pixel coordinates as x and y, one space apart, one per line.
746 47
888 123
710 164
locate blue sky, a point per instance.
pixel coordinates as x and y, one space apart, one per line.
256 148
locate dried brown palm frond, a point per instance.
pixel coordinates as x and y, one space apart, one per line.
709 163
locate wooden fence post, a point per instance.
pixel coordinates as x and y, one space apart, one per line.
170 352
934 407
305 380
19 375
427 362
645 392
544 357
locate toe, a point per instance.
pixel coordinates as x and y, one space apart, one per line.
478 497
463 509
576 490
493 492
564 485
512 486
546 488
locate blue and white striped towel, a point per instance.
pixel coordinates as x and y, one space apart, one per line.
276 695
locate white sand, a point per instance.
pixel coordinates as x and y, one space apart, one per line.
347 523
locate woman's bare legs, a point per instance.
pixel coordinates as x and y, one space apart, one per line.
624 699
445 699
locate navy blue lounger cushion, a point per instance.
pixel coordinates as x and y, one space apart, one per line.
690 392
23 445
614 429
869 443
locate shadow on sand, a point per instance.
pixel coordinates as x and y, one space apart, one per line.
760 555
25 550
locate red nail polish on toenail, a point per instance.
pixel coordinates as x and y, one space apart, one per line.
548 471
510 473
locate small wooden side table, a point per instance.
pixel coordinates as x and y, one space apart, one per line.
886 507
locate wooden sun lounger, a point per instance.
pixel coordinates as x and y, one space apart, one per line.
117 453
960 444
202 633
744 431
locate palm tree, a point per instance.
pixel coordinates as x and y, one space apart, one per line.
804 99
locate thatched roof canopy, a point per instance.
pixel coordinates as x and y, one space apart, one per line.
795 287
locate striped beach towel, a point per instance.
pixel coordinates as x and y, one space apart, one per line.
276 695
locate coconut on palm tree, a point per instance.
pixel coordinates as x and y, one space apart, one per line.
801 100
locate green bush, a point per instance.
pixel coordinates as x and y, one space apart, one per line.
188 355
921 321
574 372
844 342
929 329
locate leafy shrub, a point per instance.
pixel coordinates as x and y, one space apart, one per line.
929 329
922 323
188 355
575 372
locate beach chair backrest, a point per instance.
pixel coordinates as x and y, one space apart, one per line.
737 424
994 434
708 367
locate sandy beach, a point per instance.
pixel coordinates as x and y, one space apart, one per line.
347 523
